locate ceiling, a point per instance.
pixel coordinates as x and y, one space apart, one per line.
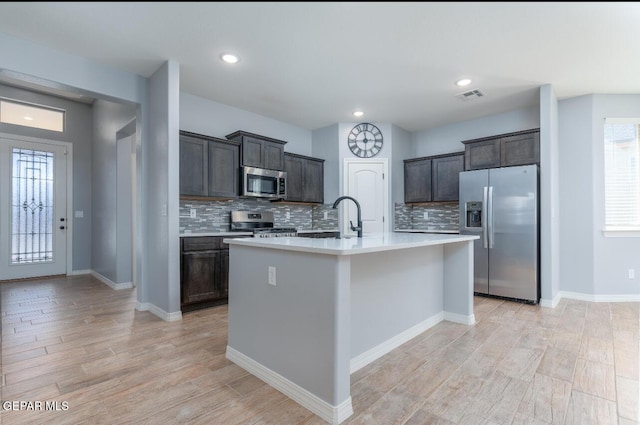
312 64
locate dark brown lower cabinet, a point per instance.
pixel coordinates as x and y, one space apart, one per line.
204 272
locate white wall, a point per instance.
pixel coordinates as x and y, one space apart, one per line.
210 118
448 138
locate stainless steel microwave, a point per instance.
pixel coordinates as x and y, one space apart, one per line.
264 183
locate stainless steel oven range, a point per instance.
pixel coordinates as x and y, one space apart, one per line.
260 223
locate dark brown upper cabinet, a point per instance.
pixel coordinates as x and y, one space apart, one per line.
417 180
504 150
433 178
194 163
445 177
209 167
259 151
305 178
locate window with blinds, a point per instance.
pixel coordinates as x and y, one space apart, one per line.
622 174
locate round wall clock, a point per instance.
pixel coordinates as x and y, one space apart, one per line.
365 140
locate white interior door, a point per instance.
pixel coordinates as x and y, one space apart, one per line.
365 181
33 209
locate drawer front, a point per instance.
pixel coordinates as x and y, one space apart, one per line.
201 243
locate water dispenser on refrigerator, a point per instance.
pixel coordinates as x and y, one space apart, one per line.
473 214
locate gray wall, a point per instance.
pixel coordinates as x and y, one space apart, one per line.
108 119
162 253
210 118
613 256
400 150
576 194
446 139
591 263
124 207
549 197
77 132
325 146
42 65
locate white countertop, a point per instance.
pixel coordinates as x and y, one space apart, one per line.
318 231
236 233
350 246
452 232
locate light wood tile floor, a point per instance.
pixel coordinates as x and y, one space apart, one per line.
77 341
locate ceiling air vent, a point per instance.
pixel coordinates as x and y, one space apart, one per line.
471 94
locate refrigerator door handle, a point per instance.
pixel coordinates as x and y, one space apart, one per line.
484 219
490 217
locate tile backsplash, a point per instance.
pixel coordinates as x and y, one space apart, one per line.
214 216
440 216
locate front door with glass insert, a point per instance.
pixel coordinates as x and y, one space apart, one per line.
33 218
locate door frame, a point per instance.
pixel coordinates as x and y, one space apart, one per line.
385 195
70 213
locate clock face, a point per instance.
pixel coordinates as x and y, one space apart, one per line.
365 140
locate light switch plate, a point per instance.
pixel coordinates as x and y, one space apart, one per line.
272 275
192 213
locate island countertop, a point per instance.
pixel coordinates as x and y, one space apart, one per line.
377 242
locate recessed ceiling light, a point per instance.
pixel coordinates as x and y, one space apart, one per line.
229 58
358 113
463 82
28 118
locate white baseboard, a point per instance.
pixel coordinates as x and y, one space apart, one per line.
332 414
154 309
601 298
110 283
79 272
551 303
459 318
380 350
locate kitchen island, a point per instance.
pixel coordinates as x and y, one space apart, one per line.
306 313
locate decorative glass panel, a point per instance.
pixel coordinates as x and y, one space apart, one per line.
32 207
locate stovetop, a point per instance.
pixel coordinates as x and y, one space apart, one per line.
260 223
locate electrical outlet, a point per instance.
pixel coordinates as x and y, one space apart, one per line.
326 215
632 273
192 214
287 215
163 210
272 275
425 215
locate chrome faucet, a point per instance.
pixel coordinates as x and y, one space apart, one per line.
357 228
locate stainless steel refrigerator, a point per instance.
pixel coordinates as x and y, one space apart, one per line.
501 206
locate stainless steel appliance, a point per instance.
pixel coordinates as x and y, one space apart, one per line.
264 183
501 205
260 223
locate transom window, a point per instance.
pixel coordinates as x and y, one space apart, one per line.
29 115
